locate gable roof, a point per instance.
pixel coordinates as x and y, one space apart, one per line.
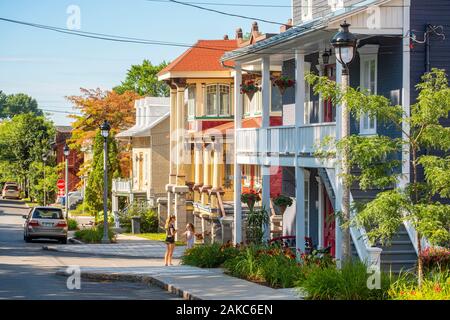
203 56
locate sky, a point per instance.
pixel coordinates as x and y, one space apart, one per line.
50 66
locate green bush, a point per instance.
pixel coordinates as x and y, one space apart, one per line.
435 286
208 256
94 234
148 215
347 283
72 224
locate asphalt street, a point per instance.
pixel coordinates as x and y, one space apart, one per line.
28 272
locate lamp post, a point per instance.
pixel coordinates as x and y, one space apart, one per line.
104 129
344 43
66 152
44 158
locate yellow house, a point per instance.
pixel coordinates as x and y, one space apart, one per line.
200 188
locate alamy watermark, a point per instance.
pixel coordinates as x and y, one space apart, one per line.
73 21
74 279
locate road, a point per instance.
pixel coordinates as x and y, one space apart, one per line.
28 272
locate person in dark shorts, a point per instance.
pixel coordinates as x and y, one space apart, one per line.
170 239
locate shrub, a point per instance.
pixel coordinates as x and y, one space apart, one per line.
435 286
149 217
436 259
256 219
94 234
282 201
72 224
347 283
208 256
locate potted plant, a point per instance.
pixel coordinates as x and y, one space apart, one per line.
250 198
249 87
283 83
282 202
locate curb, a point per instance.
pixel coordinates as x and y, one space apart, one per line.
75 241
147 279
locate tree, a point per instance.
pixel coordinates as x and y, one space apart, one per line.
143 79
23 139
96 106
94 188
422 203
39 185
14 104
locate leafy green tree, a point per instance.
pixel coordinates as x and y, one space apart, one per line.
423 203
94 188
39 185
23 139
143 79
14 104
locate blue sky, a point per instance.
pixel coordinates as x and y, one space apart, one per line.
49 66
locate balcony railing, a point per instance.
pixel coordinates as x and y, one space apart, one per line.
284 139
121 185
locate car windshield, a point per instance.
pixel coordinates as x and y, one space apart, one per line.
11 188
44 213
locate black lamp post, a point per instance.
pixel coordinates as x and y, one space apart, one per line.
66 152
344 44
44 159
104 129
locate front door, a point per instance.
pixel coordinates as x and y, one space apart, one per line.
329 231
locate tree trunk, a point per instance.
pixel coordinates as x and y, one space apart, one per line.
346 246
418 237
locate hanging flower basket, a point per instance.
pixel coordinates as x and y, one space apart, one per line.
282 202
249 87
250 198
283 83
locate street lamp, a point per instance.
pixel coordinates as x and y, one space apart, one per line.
104 129
66 152
326 56
344 44
44 158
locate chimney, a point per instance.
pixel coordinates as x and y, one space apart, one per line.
239 35
286 26
255 26
225 37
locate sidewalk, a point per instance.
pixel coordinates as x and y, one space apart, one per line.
191 283
126 246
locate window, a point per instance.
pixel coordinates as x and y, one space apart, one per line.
218 100
191 101
368 81
306 6
276 103
246 175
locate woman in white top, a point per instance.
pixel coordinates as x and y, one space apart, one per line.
190 235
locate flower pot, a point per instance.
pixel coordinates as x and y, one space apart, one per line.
250 204
282 209
250 94
282 89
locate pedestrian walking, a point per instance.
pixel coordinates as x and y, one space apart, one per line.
170 239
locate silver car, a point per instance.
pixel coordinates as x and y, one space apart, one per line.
45 222
10 191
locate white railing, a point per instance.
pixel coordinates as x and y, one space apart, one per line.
121 185
368 254
283 139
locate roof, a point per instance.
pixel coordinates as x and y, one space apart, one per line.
202 56
319 23
144 130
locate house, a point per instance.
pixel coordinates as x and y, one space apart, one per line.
200 188
75 159
280 145
149 149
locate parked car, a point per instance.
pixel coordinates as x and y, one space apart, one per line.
10 191
75 198
45 222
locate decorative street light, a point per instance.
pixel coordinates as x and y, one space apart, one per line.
66 152
104 129
44 158
326 56
344 43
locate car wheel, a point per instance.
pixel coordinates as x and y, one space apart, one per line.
63 241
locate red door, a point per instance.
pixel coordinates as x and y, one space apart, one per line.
329 231
330 72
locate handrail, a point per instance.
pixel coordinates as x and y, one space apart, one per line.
219 200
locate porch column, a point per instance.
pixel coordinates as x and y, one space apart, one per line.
300 209
206 173
265 90
217 172
265 172
198 180
321 68
321 213
181 176
173 135
115 209
237 237
299 88
338 181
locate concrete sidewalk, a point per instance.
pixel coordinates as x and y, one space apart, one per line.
191 283
126 246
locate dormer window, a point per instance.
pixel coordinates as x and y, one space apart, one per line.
191 101
307 6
